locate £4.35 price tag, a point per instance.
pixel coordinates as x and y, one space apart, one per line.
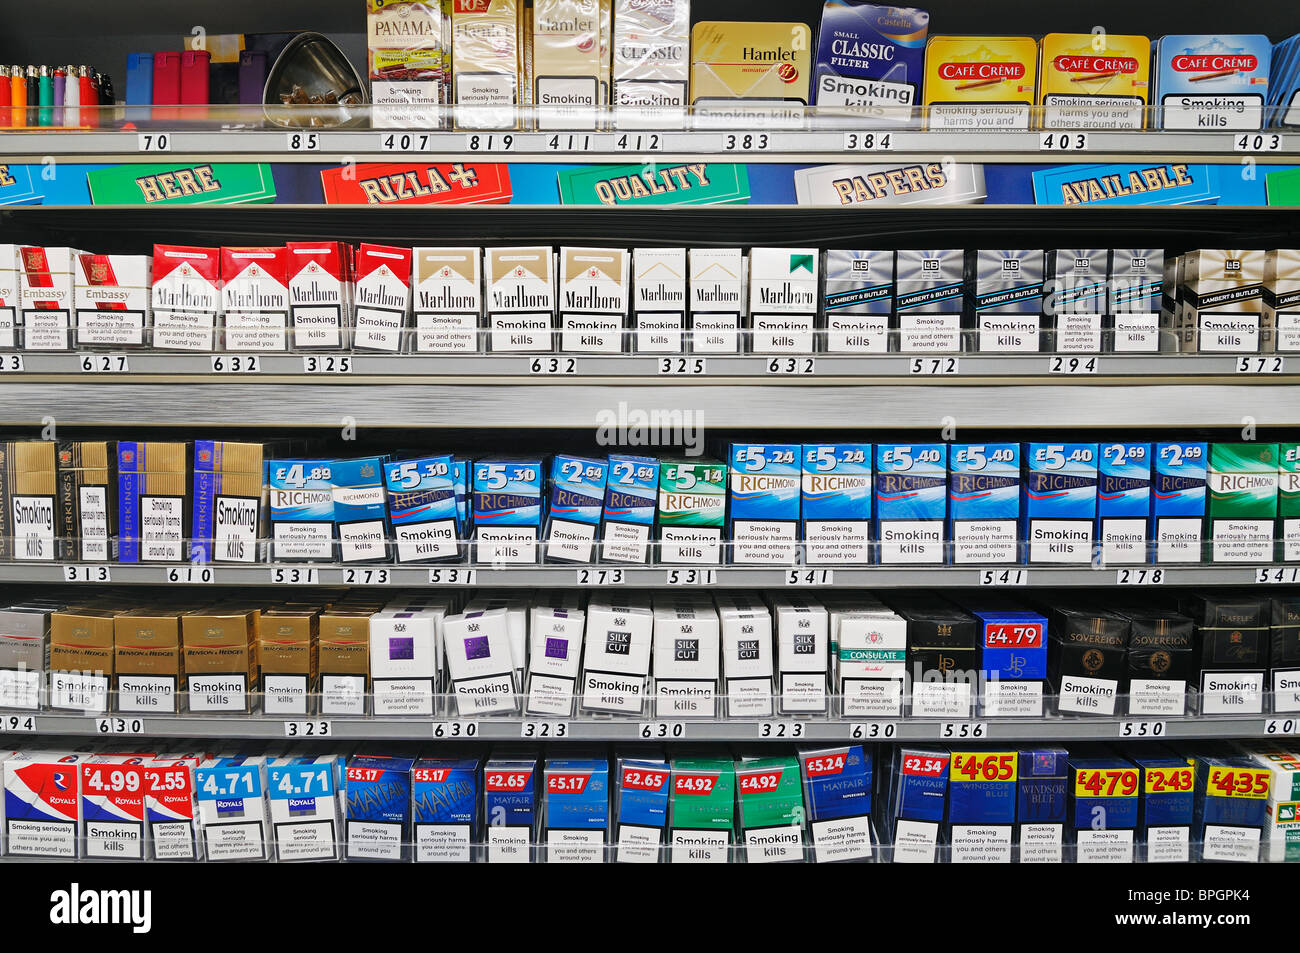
1238 782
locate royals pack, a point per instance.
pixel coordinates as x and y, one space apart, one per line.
911 502
984 503
520 298
171 810
186 297
320 294
383 298
577 489
448 289
858 300
783 294
111 297
303 796
41 791
1059 501
628 515
231 795
45 291
255 298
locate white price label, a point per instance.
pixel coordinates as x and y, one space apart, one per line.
105 363
1139 577
119 726
868 141
455 729
236 364
294 576
867 730
792 365
1142 729
1060 364
154 142
553 365
356 576
453 577
404 142
11 363
639 142
187 575
1063 142
691 366
1282 726
1257 142
691 577
1004 577
600 577
1275 574
963 729
661 729
780 729
746 142
544 729
302 141
1261 364
810 577
308 729
327 363
11 724
934 366
490 142
87 574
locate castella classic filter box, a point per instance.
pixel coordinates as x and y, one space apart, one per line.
870 59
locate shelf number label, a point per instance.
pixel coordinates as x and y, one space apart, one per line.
87 574
868 141
866 730
453 577
792 365
661 729
236 364
1063 142
455 729
153 142
746 142
294 576
682 365
1257 142
11 364
404 142
187 575
1139 577
9 724
690 577
367 577
544 729
327 363
600 577
639 142
934 366
119 726
1261 364
308 729
1072 365
553 365
1004 577
105 363
302 141
1289 575
1282 726
963 729
490 142
1142 729
780 729
573 142
810 577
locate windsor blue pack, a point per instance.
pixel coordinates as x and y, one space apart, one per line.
1040 805
1168 805
982 805
836 503
1103 811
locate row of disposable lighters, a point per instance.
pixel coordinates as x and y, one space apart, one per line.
760 504
52 96
678 655
329 295
1044 804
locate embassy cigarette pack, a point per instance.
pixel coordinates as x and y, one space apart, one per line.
81 659
30 521
943 652
1232 640
1077 297
770 808
911 502
303 795
520 298
980 82
1231 809
148 661
718 277
982 805
186 297
480 666
448 288
556 651
928 299
301 501
692 507
1103 806
233 816
593 299
45 282
783 295
221 663
1087 658
508 509
10 326
153 502
383 298
835 503
915 804
344 659
1207 82
288 653
575 810
1242 502
1178 500
445 819
360 513
378 818
577 487
1124 502
404 660
227 518
640 808
984 502
486 62
1281 312
870 59
422 508
1040 805
87 502
1221 295
1094 81
406 44
1161 661
111 296
651 60
511 806
255 298
858 299
1008 298
764 503
320 294
686 649
747 72
1136 289
616 656
837 785
1059 501
628 516
658 298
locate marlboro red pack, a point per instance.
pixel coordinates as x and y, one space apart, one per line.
111 298
45 293
255 295
320 294
383 297
186 297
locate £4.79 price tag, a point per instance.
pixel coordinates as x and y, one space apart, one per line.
1106 782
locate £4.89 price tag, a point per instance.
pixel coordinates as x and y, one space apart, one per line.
1238 782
